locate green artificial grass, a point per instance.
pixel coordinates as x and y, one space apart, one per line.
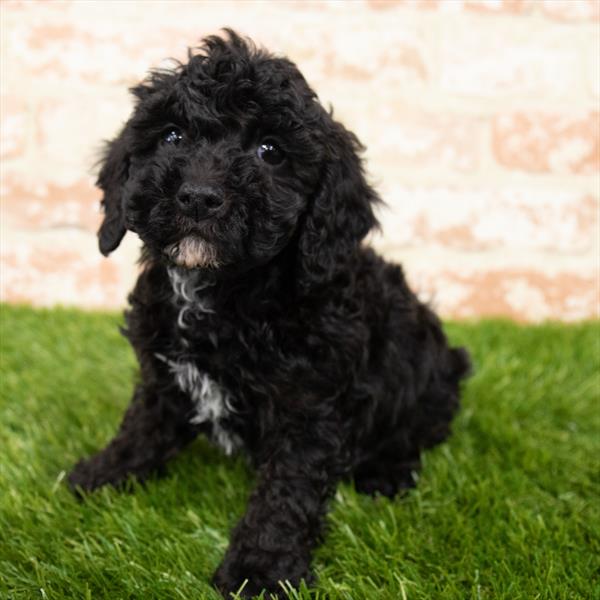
508 508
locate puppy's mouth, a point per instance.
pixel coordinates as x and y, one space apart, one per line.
193 252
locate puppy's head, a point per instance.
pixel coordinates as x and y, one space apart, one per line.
229 159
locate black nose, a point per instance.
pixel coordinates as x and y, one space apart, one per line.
198 201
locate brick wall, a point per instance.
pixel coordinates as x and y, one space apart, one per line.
481 119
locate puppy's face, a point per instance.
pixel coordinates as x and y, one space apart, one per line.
229 159
222 155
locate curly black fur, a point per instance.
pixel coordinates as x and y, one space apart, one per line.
259 318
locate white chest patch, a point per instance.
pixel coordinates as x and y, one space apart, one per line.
187 287
212 403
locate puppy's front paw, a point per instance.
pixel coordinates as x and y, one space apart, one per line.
229 584
260 571
91 473
82 478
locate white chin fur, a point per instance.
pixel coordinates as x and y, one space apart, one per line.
193 252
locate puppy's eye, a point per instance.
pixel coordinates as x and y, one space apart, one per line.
270 153
172 136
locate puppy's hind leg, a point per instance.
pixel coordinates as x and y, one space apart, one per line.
394 463
391 469
155 427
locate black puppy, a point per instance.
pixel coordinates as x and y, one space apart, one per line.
258 318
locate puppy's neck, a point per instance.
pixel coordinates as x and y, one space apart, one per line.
189 284
253 292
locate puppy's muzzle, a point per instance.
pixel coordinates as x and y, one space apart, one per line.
198 201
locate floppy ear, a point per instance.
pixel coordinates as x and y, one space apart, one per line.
111 179
341 212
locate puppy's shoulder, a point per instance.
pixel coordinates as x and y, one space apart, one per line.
150 316
380 276
152 287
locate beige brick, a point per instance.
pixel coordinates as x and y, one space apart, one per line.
593 67
66 268
509 7
506 282
60 276
15 126
412 138
39 205
469 219
391 4
518 293
491 62
571 10
92 52
407 136
70 130
397 53
548 143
